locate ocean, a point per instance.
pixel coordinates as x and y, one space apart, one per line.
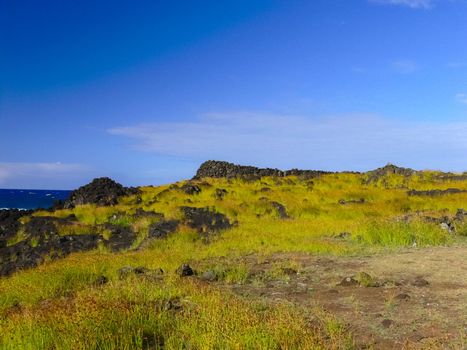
30 199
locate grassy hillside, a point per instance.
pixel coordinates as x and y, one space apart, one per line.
86 300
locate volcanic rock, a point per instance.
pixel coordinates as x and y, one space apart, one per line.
205 220
219 169
101 191
163 228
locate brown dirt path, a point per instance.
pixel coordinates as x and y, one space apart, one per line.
419 299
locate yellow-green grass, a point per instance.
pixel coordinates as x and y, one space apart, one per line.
137 314
120 314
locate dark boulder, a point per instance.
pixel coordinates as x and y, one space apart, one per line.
101 191
120 237
185 270
162 229
375 175
220 193
205 220
41 240
191 189
42 226
78 243
9 223
42 243
141 213
280 210
461 214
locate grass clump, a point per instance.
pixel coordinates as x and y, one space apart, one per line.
401 234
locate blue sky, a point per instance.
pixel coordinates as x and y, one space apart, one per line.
145 91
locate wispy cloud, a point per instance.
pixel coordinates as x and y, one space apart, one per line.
346 142
405 66
36 174
461 97
414 4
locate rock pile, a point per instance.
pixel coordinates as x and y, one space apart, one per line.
375 175
220 169
204 220
101 191
42 240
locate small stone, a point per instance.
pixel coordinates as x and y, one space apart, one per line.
348 282
140 270
386 323
125 271
209 276
420 282
185 270
402 297
366 280
101 280
289 271
343 235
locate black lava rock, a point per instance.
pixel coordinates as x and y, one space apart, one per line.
191 189
9 223
218 169
220 193
185 270
163 228
121 237
101 191
205 220
42 240
280 209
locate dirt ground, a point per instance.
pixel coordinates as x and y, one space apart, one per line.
415 298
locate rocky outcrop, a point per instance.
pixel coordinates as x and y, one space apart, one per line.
163 228
220 169
205 220
40 240
280 210
121 237
220 193
9 223
375 175
101 191
190 189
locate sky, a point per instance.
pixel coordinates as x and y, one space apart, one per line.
145 91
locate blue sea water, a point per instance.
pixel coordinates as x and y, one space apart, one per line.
30 199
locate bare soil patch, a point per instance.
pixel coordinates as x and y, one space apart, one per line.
416 298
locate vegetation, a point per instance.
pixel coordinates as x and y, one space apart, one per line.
63 304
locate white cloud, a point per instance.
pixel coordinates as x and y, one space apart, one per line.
354 142
415 4
462 98
405 66
37 175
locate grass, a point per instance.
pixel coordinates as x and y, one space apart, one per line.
59 306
